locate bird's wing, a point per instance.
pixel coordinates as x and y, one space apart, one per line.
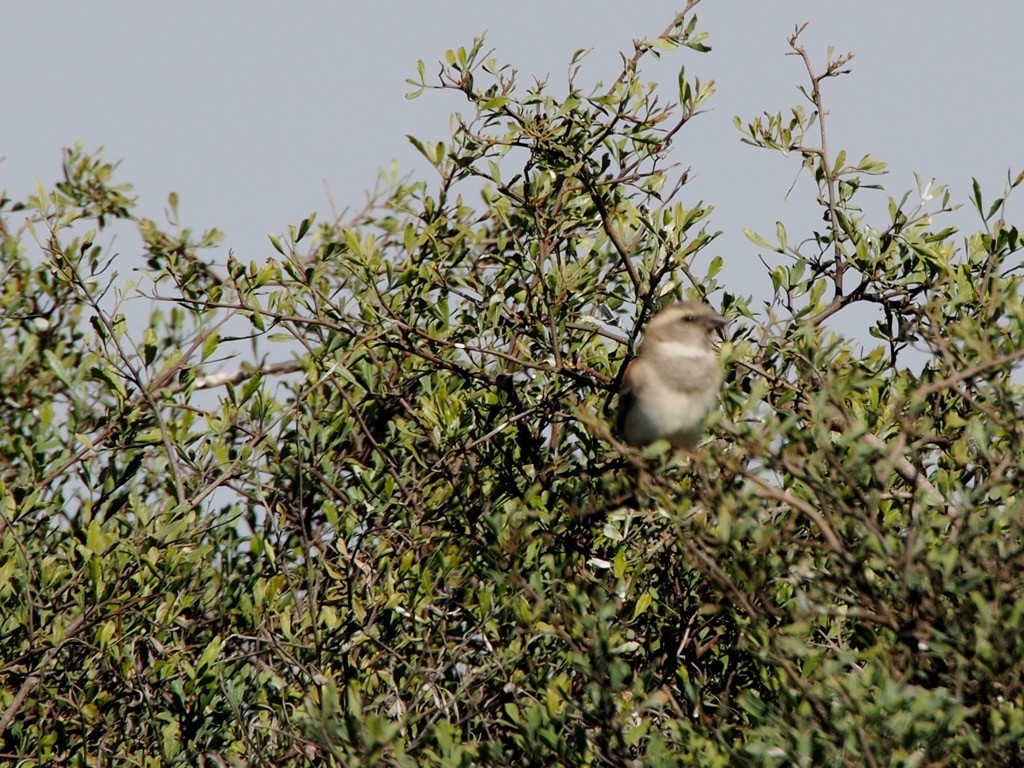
627 395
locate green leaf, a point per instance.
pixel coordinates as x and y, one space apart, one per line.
304 226
149 349
642 604
209 655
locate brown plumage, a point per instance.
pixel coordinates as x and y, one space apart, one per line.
671 386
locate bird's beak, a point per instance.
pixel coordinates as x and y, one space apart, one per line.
717 321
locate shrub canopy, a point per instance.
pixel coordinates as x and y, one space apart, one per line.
357 502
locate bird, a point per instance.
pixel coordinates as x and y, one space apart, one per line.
671 386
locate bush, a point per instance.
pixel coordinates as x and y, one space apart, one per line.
413 541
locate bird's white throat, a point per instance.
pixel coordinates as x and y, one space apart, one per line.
681 349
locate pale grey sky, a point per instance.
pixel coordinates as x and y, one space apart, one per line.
247 110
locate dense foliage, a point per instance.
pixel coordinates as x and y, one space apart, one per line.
358 503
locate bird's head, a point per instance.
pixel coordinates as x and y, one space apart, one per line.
688 322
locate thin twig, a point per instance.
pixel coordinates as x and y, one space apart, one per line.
822 153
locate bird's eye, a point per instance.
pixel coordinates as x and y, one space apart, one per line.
688 318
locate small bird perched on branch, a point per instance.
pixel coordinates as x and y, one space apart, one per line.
669 389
